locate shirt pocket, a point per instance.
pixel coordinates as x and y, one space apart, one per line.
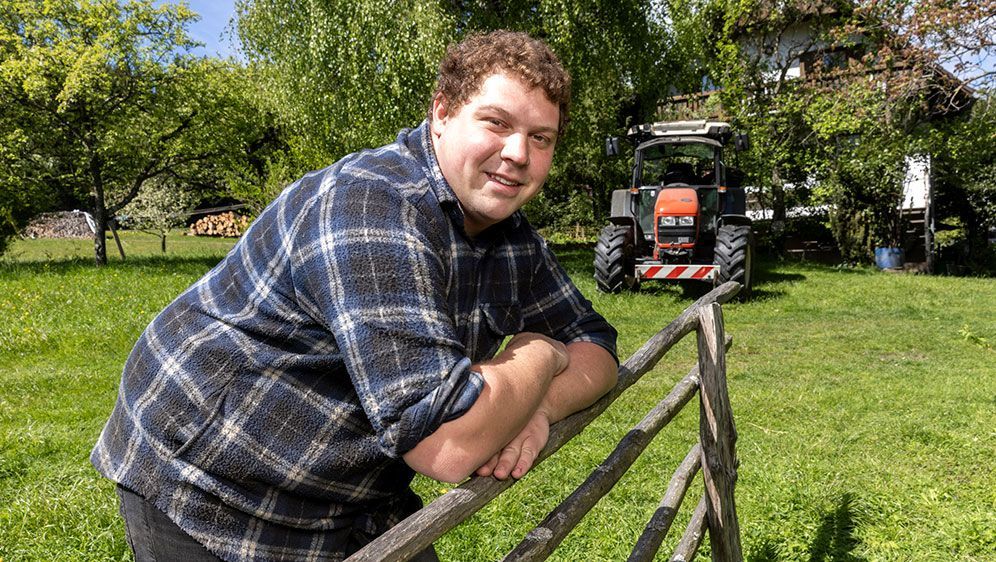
503 319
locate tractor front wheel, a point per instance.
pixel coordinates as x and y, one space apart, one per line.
734 254
615 268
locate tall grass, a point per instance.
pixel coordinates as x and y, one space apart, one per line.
865 404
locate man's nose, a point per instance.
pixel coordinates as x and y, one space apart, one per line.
516 149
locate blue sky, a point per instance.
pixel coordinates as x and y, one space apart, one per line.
215 15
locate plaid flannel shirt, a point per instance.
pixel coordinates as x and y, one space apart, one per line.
267 408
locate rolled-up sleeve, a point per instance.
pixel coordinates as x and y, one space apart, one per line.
370 267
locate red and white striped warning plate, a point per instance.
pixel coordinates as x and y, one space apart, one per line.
703 272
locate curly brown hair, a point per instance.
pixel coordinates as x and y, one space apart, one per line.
468 63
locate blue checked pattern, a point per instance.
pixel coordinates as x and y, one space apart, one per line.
266 409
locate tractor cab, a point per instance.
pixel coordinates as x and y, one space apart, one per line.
677 193
675 162
683 198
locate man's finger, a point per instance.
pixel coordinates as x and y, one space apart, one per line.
526 458
507 459
489 467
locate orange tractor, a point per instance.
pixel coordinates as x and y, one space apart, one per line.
684 218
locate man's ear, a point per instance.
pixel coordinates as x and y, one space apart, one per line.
440 113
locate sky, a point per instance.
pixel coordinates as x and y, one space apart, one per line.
215 15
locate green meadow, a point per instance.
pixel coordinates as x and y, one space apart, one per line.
865 404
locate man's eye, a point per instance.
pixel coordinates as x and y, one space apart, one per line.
542 140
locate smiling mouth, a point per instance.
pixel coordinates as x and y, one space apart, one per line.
503 181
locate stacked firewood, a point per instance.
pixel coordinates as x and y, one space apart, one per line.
222 224
58 225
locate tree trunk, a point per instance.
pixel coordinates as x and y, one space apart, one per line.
777 211
99 212
100 220
162 241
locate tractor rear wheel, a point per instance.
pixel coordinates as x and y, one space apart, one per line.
615 268
734 254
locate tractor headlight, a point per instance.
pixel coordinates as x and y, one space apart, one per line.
686 221
668 221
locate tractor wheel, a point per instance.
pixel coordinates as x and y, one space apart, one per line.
734 254
615 268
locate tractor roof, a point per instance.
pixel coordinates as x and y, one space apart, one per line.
718 130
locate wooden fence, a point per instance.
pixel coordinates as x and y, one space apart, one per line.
714 454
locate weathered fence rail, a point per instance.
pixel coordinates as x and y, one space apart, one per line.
714 455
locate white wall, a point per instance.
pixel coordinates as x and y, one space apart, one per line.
916 185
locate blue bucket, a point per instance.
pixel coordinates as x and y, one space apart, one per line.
889 258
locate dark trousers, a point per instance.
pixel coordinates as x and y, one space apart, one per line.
153 537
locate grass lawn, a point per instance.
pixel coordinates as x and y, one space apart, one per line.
865 404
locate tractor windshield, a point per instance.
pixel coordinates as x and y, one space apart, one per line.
692 163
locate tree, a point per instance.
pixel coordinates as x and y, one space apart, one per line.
749 50
958 35
101 96
17 205
342 76
965 183
159 207
839 94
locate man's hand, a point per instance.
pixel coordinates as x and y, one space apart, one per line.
590 372
516 458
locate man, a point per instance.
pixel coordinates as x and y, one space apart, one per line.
277 409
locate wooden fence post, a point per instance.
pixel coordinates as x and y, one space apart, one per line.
717 436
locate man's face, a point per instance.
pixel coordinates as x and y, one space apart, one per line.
495 151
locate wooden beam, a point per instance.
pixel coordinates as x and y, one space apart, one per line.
541 541
653 535
718 435
692 539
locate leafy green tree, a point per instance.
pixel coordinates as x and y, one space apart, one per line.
341 76
159 207
100 96
872 95
749 50
965 183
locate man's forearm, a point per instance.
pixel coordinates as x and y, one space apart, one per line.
515 383
591 372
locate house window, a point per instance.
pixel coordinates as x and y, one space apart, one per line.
815 62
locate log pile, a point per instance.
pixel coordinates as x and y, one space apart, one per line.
222 224
63 224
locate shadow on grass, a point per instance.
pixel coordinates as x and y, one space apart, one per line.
577 257
807 265
767 552
767 277
169 264
835 540
766 274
